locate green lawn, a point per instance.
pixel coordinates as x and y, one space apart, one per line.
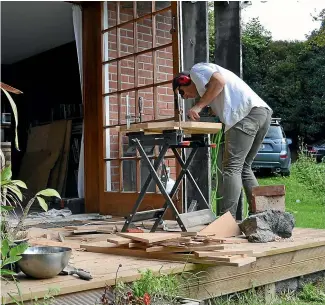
306 203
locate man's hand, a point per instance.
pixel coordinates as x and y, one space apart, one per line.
193 113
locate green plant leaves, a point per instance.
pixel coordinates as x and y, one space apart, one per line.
18 250
6 174
49 193
42 203
19 183
6 208
11 260
4 248
6 272
14 189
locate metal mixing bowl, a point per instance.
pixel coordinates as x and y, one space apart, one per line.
44 262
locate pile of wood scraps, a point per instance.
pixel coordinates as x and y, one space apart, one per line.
193 248
208 246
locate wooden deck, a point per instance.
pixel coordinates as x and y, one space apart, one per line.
276 261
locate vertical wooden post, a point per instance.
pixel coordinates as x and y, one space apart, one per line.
93 105
269 293
195 50
228 55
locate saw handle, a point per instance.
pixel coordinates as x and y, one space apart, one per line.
84 275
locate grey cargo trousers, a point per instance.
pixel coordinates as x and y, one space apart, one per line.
242 142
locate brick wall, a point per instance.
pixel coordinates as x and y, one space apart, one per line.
144 65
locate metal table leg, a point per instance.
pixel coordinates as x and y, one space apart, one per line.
177 182
188 173
145 186
169 202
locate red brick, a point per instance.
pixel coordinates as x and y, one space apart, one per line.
113 115
148 117
146 73
124 78
127 71
163 40
166 112
127 40
147 104
147 37
113 108
112 68
165 69
143 45
161 90
170 105
148 110
162 105
144 29
161 62
269 190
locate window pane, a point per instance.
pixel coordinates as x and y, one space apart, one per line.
126 11
164 64
127 151
109 14
144 175
127 39
144 35
163 28
171 167
162 4
112 176
109 45
131 106
111 143
110 77
147 101
127 73
129 175
143 8
145 69
165 101
111 110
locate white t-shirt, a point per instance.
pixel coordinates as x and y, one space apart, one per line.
235 101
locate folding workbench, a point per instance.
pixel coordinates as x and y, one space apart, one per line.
175 136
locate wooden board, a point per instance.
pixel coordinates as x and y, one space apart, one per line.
150 238
171 249
224 226
188 127
119 240
55 172
64 160
49 139
223 252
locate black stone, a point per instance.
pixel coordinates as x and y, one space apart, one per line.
266 226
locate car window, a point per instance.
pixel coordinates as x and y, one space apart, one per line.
274 132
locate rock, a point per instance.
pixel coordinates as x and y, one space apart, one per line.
267 226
